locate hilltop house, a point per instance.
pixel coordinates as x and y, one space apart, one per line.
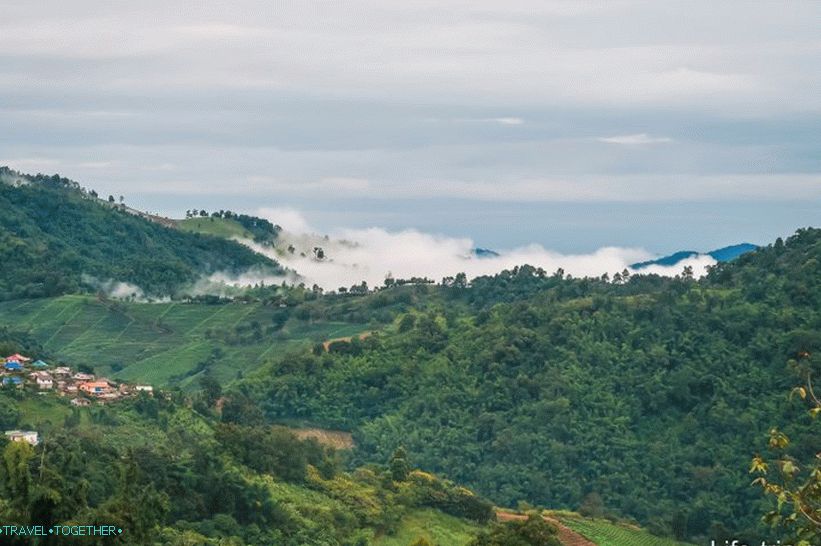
62 370
17 357
28 436
39 364
79 376
144 388
80 402
43 380
95 388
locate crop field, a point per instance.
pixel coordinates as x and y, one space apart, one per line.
218 227
160 343
605 533
436 527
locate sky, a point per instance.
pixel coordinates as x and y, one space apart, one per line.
570 125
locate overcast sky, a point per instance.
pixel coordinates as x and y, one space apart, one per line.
574 125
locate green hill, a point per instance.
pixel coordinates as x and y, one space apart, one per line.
218 227
651 394
165 343
170 475
230 225
58 238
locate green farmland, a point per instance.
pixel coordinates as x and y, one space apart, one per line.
160 343
606 533
218 227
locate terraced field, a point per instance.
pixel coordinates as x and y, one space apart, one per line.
159 343
605 533
219 227
435 527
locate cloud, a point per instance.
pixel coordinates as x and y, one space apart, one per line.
570 188
636 139
289 219
237 104
119 290
499 121
354 255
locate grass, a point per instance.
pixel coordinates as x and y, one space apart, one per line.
159 343
606 533
218 227
438 528
42 411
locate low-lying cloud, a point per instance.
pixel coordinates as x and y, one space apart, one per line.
350 256
119 290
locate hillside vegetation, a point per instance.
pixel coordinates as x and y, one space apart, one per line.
57 238
171 343
647 395
169 475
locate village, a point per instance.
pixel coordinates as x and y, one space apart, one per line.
19 372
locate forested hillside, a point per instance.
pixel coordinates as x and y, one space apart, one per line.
644 397
57 238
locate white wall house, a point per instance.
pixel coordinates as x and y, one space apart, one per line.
28 436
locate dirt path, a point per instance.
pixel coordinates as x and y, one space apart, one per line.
334 438
363 335
567 536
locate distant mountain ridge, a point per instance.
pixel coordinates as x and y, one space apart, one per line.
724 254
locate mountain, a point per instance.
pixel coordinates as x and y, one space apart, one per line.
561 391
485 253
58 238
724 254
732 252
640 400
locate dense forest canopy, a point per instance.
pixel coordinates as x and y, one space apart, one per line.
57 238
646 394
631 396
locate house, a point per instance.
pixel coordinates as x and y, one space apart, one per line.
17 357
83 376
14 381
95 388
62 370
28 436
144 388
40 364
12 366
43 380
80 402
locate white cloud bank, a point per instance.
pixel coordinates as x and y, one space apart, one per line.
354 255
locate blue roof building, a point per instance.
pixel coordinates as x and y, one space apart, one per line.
13 366
12 381
40 364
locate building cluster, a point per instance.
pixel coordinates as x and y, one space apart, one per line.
19 371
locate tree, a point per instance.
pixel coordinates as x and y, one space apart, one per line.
16 471
399 466
9 414
795 487
534 531
211 389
